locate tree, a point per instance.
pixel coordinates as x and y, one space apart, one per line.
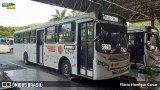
75 13
158 20
62 15
8 31
59 15
146 23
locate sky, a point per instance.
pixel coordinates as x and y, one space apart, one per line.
26 12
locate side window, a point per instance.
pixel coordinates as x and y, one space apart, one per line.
4 42
21 38
16 38
33 37
27 37
66 33
131 39
51 34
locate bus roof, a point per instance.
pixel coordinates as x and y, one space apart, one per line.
91 15
139 28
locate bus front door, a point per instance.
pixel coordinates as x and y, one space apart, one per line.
136 45
40 42
85 49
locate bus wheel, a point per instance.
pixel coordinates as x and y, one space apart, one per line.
26 59
66 68
11 51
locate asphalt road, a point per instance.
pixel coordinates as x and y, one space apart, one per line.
11 62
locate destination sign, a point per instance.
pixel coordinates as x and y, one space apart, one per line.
110 18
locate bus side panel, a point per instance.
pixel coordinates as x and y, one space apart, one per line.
69 51
31 51
50 58
4 48
19 50
73 61
10 47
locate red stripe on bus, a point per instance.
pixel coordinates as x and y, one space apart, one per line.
51 48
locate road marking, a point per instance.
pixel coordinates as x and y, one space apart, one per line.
17 64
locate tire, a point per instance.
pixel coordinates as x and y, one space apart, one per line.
11 51
26 59
66 68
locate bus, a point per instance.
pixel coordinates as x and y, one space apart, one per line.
77 46
144 44
6 45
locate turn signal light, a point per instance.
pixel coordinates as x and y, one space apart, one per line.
114 64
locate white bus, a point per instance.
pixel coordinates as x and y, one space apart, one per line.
78 46
144 44
6 45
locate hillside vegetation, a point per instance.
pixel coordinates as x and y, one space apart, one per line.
60 15
8 31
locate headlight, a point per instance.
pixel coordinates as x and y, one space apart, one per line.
152 47
123 49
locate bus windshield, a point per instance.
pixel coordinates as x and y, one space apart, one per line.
111 38
153 41
4 42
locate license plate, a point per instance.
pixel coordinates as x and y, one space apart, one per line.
118 71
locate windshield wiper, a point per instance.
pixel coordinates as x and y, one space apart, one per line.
97 37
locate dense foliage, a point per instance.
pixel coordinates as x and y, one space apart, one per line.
146 23
61 15
8 31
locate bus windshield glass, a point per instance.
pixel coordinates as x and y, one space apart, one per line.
4 42
153 41
111 38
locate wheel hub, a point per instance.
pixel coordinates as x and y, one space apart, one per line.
65 69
